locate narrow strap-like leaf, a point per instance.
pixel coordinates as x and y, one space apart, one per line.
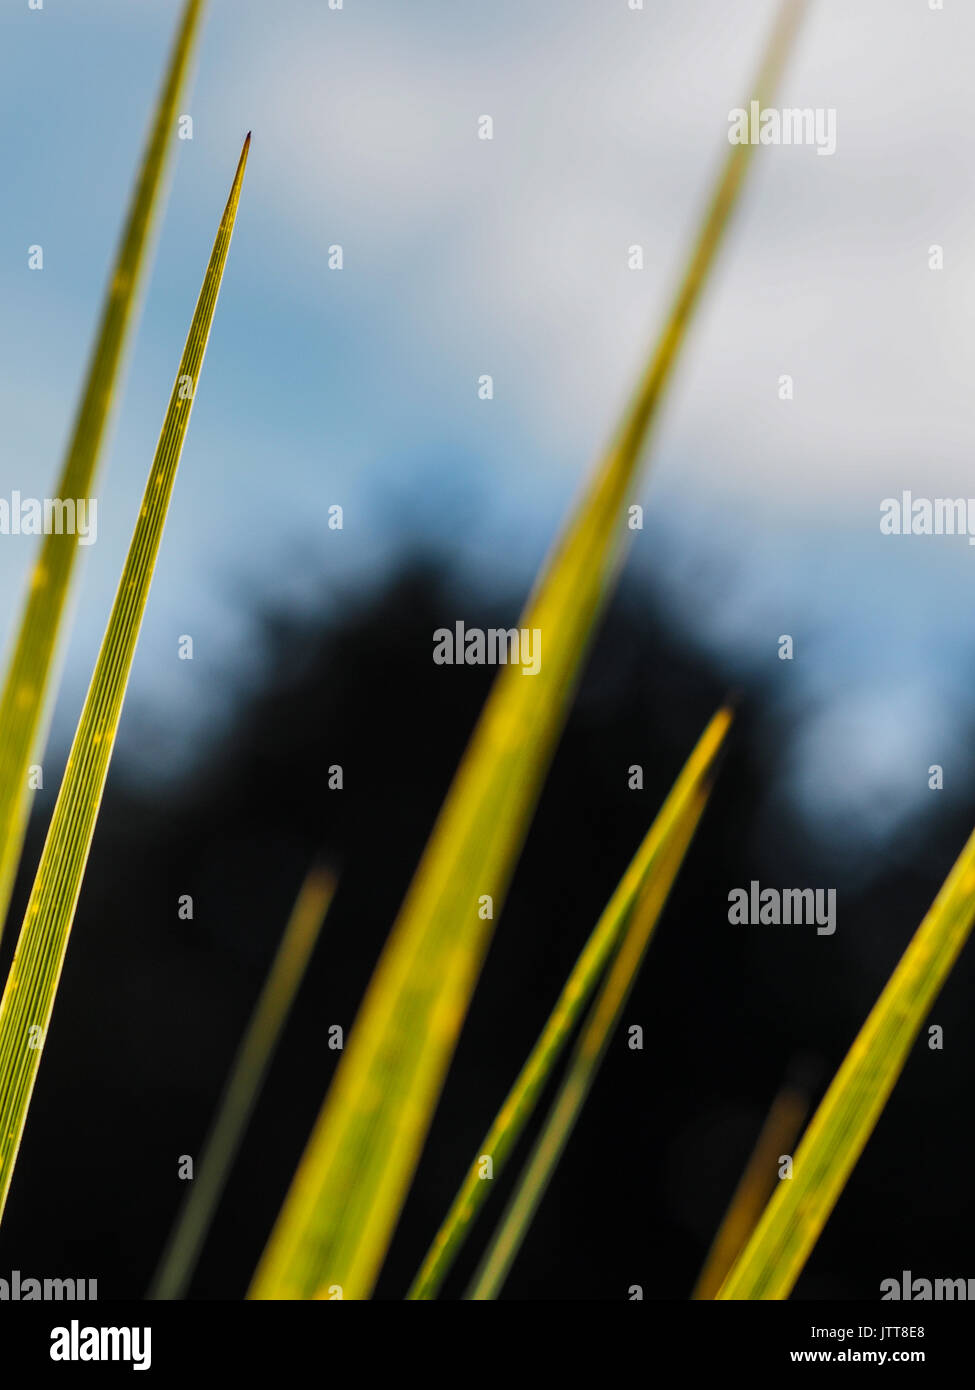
246 1078
27 695
339 1216
589 1051
28 997
779 1134
773 1259
521 1099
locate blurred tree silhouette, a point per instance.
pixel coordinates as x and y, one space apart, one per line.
124 1090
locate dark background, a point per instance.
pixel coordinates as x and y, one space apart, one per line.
151 1009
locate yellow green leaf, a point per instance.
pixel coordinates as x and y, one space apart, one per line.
773 1259
345 1200
589 1051
523 1096
28 689
28 997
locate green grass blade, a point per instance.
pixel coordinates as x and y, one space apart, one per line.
779 1133
28 997
523 1096
773 1259
589 1051
340 1213
27 695
246 1078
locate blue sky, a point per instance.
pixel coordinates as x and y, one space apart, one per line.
509 257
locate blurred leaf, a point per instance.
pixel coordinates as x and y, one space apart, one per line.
246 1078
345 1200
773 1259
28 691
779 1134
28 998
650 860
